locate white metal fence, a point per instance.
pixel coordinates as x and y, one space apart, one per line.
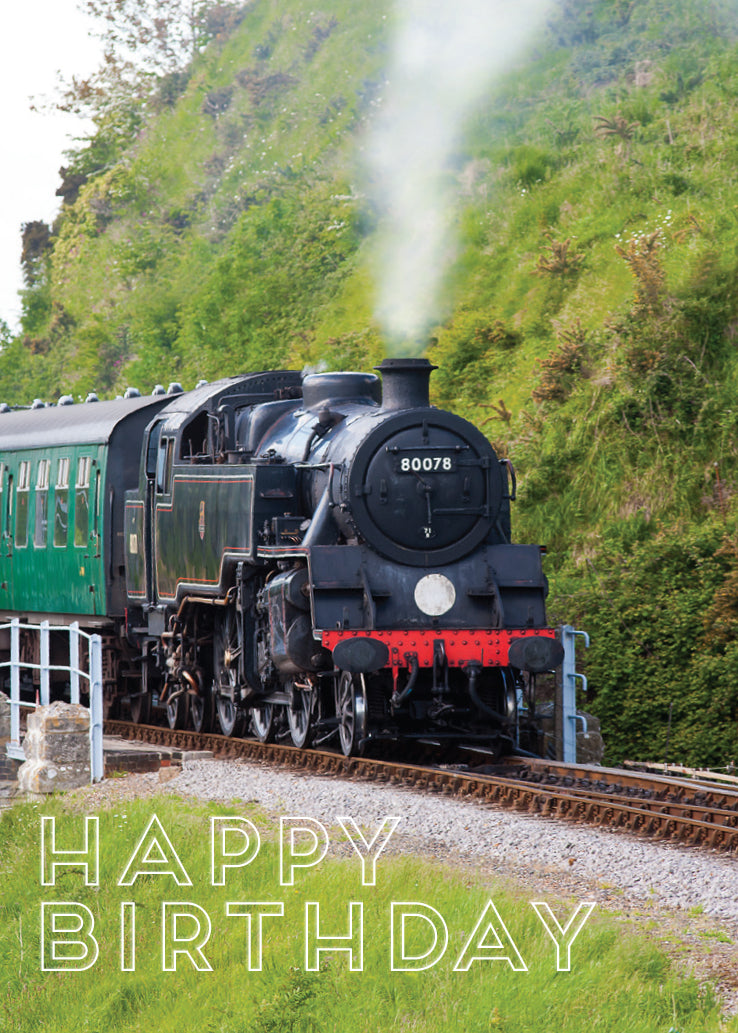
91 679
570 675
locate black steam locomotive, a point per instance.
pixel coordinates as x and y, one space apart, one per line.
332 556
325 556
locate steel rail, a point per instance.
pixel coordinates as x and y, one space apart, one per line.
718 794
709 826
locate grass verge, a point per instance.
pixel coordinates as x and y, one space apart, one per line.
618 981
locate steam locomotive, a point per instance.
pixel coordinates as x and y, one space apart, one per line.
324 556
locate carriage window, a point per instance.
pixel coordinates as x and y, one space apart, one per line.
61 503
42 504
82 501
164 466
8 511
21 512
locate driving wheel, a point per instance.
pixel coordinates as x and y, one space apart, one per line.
351 711
226 687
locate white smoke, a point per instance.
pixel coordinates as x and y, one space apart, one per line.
445 53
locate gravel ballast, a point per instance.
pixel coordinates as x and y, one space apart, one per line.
574 858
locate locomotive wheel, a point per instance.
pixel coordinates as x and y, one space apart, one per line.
201 712
178 710
298 717
226 650
230 717
351 711
199 700
262 722
140 707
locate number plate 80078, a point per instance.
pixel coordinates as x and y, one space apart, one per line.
426 464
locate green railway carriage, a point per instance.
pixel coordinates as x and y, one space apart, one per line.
63 474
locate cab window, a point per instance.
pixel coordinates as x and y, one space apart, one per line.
164 466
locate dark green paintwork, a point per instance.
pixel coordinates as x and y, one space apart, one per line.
68 578
203 523
78 570
135 547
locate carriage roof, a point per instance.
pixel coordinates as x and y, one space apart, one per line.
89 423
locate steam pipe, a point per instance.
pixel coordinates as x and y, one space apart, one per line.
399 697
322 530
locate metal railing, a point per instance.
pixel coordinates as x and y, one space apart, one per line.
93 677
570 676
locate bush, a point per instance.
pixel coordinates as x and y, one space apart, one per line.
661 609
564 366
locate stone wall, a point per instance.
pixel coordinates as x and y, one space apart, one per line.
8 767
57 749
590 744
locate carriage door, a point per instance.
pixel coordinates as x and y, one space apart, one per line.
85 525
149 529
6 529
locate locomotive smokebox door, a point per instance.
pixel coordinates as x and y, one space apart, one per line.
426 491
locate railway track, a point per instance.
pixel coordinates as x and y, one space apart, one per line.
658 807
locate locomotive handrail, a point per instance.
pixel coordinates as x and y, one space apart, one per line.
396 449
512 495
93 676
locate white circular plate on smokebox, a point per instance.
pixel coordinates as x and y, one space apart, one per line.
434 595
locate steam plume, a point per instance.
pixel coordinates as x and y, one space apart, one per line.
445 54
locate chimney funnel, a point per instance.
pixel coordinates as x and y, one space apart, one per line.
405 383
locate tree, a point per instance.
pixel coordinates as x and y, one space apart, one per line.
145 41
36 244
157 35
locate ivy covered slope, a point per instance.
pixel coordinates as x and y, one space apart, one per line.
592 312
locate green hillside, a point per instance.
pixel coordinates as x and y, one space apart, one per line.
591 309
